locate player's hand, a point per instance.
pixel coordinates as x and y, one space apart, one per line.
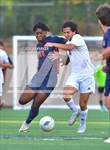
49 44
54 55
41 54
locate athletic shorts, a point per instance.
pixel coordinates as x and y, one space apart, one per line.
46 84
82 84
107 85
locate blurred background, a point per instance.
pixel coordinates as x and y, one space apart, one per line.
17 17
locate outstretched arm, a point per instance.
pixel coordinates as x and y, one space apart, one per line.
65 47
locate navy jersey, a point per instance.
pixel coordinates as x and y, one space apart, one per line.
40 47
106 43
46 77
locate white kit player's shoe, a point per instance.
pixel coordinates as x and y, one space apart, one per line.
107 140
24 127
73 118
82 128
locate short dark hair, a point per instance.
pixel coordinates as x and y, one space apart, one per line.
41 26
103 14
71 25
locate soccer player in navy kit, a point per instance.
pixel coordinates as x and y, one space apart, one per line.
44 81
103 14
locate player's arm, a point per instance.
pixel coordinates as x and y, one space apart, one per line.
106 53
65 47
4 66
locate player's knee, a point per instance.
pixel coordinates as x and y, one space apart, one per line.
21 101
66 97
83 106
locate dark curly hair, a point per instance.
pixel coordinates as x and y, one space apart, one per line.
73 26
41 26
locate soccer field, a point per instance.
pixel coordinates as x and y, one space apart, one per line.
63 137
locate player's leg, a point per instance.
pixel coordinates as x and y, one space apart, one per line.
27 96
38 100
101 98
87 86
1 88
68 94
107 103
1 103
34 111
83 101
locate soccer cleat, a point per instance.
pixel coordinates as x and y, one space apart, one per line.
73 118
82 128
24 127
107 140
103 108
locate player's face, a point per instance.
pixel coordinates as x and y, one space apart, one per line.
68 33
40 34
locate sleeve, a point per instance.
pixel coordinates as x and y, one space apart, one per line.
77 40
59 39
108 39
5 58
10 61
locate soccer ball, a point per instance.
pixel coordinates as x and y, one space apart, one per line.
47 123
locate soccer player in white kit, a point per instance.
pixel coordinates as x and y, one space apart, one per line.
81 78
4 63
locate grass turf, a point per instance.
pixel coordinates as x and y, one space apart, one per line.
63 137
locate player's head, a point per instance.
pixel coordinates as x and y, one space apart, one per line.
40 30
1 45
69 29
103 14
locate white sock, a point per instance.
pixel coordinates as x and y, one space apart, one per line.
72 105
83 116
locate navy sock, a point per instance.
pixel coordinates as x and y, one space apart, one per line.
32 114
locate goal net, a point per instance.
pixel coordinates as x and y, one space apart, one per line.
25 65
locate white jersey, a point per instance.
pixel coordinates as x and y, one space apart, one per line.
81 64
4 59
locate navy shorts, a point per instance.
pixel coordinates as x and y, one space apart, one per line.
47 84
107 85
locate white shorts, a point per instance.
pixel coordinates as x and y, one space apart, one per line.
82 84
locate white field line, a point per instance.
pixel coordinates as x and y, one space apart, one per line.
57 122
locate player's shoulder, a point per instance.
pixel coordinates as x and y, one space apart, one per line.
78 36
2 52
55 38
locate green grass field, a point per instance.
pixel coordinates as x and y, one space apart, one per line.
63 137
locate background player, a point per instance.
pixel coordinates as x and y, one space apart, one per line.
100 77
81 78
4 64
103 14
44 81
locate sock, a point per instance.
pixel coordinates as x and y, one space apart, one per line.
72 105
32 114
83 116
101 102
